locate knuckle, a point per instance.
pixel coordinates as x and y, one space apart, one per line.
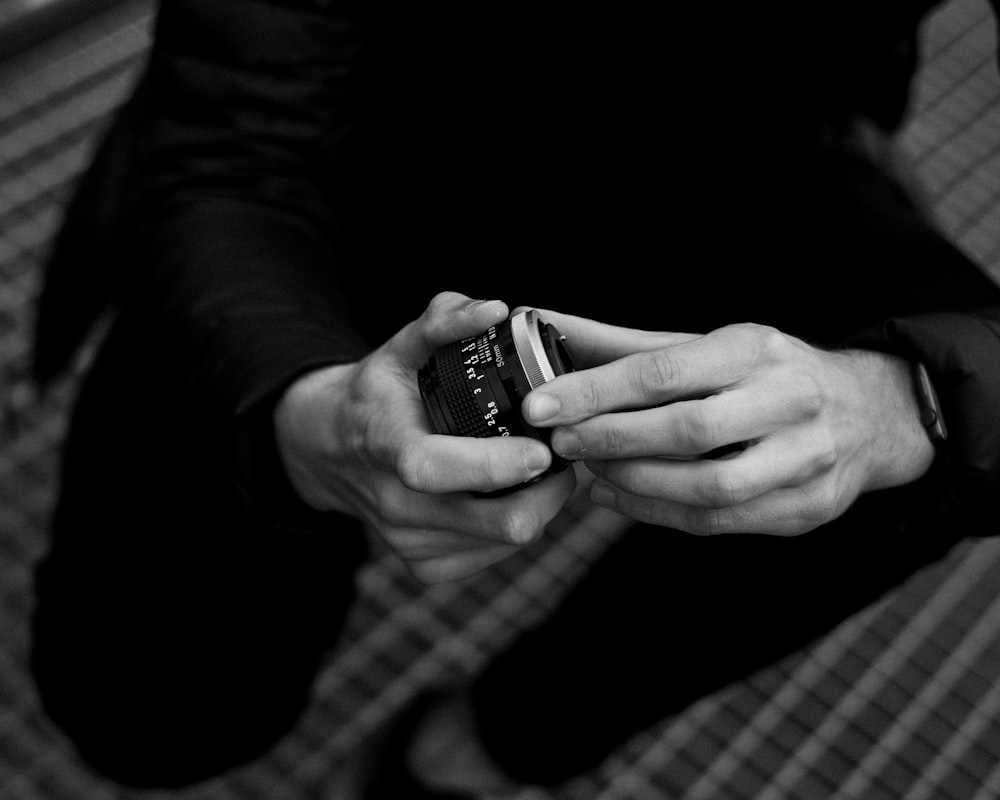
710 522
825 457
823 504
438 313
393 535
656 371
770 341
614 442
766 342
699 430
727 488
412 467
392 516
830 501
494 469
392 511
515 526
442 302
808 394
589 397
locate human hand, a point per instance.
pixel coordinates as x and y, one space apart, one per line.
805 430
355 438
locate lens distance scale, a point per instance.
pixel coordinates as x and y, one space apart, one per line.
474 387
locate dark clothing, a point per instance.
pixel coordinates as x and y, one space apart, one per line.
293 181
175 634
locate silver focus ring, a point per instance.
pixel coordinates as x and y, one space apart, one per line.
524 330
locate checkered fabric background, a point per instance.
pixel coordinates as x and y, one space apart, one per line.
900 701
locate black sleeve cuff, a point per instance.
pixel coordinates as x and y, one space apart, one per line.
961 353
262 483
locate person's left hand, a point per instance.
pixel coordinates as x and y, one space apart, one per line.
744 429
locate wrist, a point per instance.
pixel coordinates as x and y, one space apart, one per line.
901 448
307 434
261 478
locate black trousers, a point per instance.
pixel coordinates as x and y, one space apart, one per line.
174 635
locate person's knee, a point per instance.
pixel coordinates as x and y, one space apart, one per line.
143 734
167 752
150 716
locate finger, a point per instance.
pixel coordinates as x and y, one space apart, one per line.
458 566
682 428
592 343
769 465
694 368
437 463
424 543
449 317
515 518
787 512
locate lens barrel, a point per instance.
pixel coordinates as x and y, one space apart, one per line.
474 387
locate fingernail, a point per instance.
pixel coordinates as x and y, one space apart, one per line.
492 305
540 407
566 443
536 458
601 493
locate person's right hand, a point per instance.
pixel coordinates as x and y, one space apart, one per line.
355 438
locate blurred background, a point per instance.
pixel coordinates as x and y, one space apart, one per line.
903 700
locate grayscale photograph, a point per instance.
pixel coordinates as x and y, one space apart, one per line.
442 401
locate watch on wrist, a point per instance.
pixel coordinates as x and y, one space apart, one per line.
930 408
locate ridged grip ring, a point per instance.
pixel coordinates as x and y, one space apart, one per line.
528 343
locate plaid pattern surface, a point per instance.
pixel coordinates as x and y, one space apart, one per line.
901 700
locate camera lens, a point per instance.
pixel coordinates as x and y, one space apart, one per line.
474 387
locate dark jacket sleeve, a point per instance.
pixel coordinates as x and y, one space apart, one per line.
962 354
952 326
213 213
234 231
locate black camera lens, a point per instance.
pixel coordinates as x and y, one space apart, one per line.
474 387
